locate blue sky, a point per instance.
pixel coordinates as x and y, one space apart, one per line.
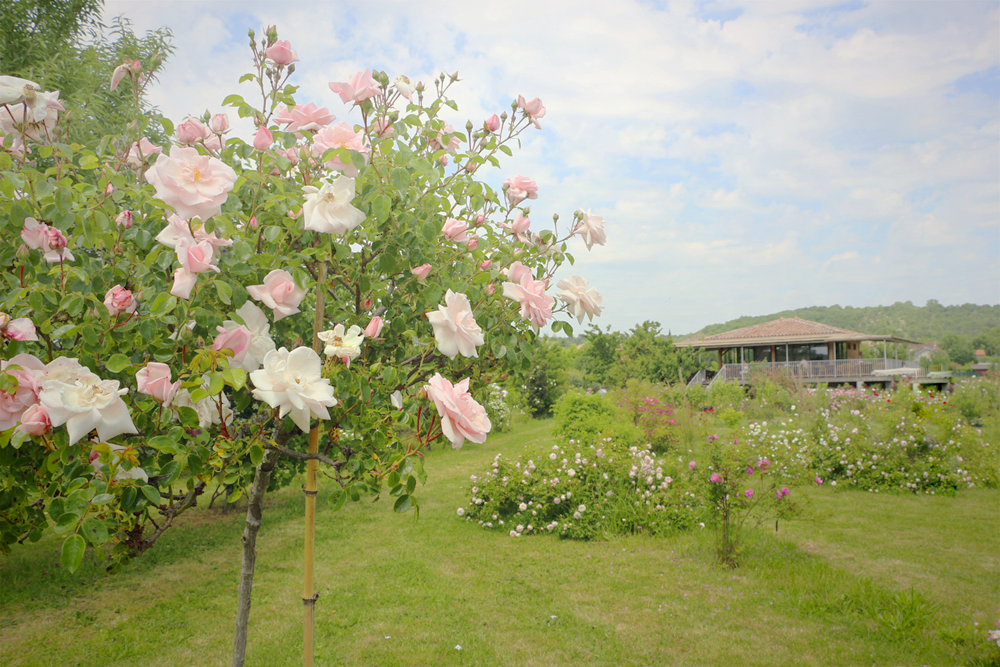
748 157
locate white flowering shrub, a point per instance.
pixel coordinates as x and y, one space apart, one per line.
586 491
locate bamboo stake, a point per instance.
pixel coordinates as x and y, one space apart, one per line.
309 594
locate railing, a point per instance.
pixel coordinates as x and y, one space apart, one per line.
698 378
815 370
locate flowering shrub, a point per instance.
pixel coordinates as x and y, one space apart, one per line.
902 441
165 306
585 491
498 408
744 492
589 418
645 404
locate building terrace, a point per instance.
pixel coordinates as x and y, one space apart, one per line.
809 351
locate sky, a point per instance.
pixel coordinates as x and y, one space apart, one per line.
748 157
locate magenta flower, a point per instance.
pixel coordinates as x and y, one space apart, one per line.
748 493
716 477
692 465
819 481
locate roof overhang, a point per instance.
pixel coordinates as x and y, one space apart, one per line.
789 340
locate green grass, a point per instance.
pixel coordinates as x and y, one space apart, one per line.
861 579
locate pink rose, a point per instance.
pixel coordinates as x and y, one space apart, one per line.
154 380
692 465
279 293
192 131
194 258
421 272
533 109
536 305
491 290
748 493
461 416
237 339
374 327
280 53
716 478
263 140
304 117
493 123
455 327
580 301
785 491
455 230
193 185
341 135
124 219
472 243
486 264
119 300
34 233
35 421
516 271
437 141
519 224
141 151
591 228
358 88
20 329
119 74
520 188
12 406
220 123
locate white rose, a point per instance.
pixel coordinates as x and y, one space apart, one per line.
292 382
85 404
346 346
328 209
579 300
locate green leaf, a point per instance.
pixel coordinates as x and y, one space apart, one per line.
170 472
411 484
256 454
271 233
400 179
162 304
216 384
152 495
402 504
506 150
381 208
225 291
117 363
95 531
102 499
337 499
162 443
167 125
73 549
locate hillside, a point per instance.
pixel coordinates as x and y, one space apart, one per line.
931 322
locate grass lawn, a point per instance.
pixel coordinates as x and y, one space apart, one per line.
860 579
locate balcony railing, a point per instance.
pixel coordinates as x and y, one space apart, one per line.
820 371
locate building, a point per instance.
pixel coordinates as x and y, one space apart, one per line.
809 351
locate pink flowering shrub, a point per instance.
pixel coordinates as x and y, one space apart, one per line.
158 319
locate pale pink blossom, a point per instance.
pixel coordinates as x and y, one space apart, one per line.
716 477
220 123
491 290
35 117
52 242
20 329
279 293
486 264
191 131
281 53
304 117
580 301
472 243
236 338
437 141
358 88
520 188
493 123
256 322
119 74
455 230
178 228
141 151
328 209
124 219
292 382
194 258
591 228
382 127
263 140
211 410
462 418
193 185
516 271
421 272
533 109
374 327
341 135
119 301
536 305
12 406
455 327
404 86
154 380
35 421
519 224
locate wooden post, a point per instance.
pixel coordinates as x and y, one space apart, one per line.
309 594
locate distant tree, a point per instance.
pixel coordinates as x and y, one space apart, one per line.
989 341
600 353
62 45
959 349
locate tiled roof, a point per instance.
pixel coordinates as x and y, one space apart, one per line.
783 327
